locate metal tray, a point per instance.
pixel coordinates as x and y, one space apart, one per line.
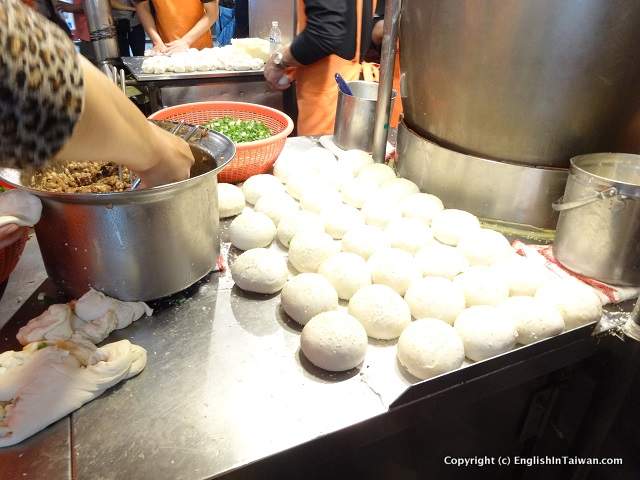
134 64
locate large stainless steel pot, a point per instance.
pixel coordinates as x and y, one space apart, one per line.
526 81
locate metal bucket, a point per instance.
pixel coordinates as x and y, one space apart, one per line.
598 233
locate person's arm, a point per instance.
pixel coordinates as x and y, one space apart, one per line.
143 9
201 27
378 24
118 5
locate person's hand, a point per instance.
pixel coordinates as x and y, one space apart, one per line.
176 46
276 76
160 48
9 234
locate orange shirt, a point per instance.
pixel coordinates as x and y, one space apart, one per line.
174 19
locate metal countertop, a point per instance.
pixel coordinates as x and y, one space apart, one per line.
134 64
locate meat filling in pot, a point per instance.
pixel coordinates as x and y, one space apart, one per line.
83 177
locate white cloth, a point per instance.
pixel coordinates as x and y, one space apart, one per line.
19 207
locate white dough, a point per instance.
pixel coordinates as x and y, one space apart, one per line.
485 332
308 249
408 234
276 205
347 272
523 275
435 297
306 295
379 210
535 319
25 207
578 304
230 200
377 172
399 188
485 247
338 219
260 270
301 182
316 199
334 341
258 185
251 230
298 221
357 191
382 312
318 167
438 260
450 226
354 161
482 286
430 347
422 206
364 240
395 268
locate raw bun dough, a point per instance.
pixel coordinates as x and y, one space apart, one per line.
485 332
485 247
251 230
276 205
260 271
408 234
334 341
435 297
230 200
395 268
306 295
523 275
482 286
430 347
380 210
26 208
450 226
354 161
398 188
438 260
358 191
338 219
347 272
298 221
422 206
381 310
316 199
258 185
578 304
376 172
364 240
318 167
535 320
308 249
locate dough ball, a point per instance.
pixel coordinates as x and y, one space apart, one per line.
354 161
316 199
379 211
276 205
438 260
399 188
408 234
338 219
306 295
430 347
230 200
298 221
382 312
308 249
364 240
482 286
285 166
485 332
435 297
450 226
334 341
357 191
302 182
535 320
251 230
258 185
347 272
523 275
319 167
376 172
422 206
395 268
260 270
484 247
577 303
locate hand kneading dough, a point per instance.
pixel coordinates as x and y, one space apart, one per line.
230 200
376 172
260 271
482 286
438 260
535 320
358 191
354 161
450 226
259 185
299 221
251 230
430 347
485 332
334 341
364 240
523 275
409 234
347 272
398 188
308 250
485 247
340 218
306 295
276 205
422 206
435 297
395 268
381 310
578 304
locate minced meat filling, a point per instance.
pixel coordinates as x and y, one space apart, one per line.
83 177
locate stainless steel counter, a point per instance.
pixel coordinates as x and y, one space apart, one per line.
134 64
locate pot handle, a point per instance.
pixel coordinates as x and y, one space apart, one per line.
560 206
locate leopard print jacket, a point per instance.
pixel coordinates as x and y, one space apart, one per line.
41 87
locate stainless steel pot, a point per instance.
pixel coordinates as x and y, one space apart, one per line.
598 231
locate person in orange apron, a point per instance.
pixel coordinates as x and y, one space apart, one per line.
178 24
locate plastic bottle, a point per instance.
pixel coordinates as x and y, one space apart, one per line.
275 37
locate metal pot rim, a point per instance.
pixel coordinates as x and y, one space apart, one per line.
582 172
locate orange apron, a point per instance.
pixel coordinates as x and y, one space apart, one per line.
316 88
174 19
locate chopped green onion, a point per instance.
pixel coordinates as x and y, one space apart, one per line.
239 131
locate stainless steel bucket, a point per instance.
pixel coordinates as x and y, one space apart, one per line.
598 233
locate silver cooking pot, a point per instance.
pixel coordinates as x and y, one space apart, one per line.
135 245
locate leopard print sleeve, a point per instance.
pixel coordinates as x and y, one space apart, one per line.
41 87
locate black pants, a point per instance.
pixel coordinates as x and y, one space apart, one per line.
130 38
